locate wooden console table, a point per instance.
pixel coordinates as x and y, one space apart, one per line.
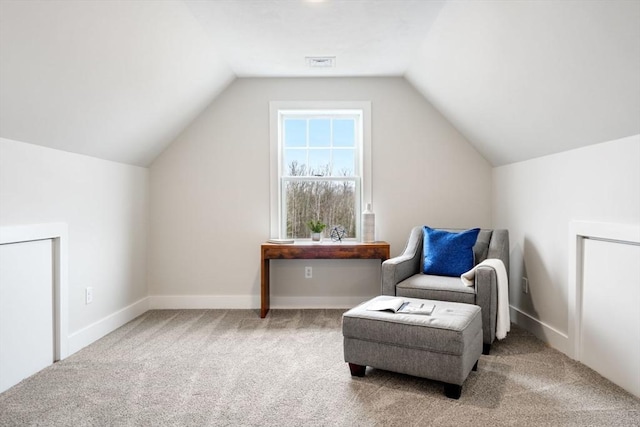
345 250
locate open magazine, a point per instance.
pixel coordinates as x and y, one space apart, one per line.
398 305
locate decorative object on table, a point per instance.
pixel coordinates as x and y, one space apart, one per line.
368 225
281 241
338 233
316 227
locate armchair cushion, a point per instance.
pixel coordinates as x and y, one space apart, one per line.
440 288
448 253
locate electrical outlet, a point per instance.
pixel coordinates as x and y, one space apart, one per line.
308 273
525 285
88 295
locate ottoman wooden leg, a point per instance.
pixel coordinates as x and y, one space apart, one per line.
475 367
357 370
486 349
452 391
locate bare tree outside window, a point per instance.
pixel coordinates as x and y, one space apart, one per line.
330 201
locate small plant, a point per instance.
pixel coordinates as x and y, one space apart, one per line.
316 226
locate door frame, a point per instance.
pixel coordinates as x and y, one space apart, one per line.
578 231
58 232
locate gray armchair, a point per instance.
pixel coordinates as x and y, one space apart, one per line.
402 276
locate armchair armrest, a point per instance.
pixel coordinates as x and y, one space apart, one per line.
499 247
486 285
394 271
405 265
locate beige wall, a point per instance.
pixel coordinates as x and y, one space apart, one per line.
537 199
104 205
209 194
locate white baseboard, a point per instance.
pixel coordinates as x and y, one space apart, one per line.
546 333
85 336
317 302
180 302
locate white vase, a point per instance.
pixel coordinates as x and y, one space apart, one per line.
368 225
316 237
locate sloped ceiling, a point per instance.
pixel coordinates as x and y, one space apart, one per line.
522 79
120 80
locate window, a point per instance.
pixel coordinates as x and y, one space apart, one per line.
320 160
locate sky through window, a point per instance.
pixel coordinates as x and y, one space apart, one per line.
320 146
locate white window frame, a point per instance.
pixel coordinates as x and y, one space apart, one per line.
363 188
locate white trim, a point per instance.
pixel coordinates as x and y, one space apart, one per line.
578 231
92 333
59 233
249 302
366 195
317 302
545 332
164 302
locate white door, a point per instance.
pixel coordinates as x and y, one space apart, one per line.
26 310
610 339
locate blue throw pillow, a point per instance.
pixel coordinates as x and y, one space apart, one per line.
447 253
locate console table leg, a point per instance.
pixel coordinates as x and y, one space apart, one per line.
264 288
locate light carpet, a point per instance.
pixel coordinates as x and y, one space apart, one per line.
231 368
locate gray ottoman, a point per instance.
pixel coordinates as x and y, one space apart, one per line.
444 346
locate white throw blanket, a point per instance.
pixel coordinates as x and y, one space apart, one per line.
503 322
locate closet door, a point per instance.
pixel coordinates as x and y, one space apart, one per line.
26 310
611 311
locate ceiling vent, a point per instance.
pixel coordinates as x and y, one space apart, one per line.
321 61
